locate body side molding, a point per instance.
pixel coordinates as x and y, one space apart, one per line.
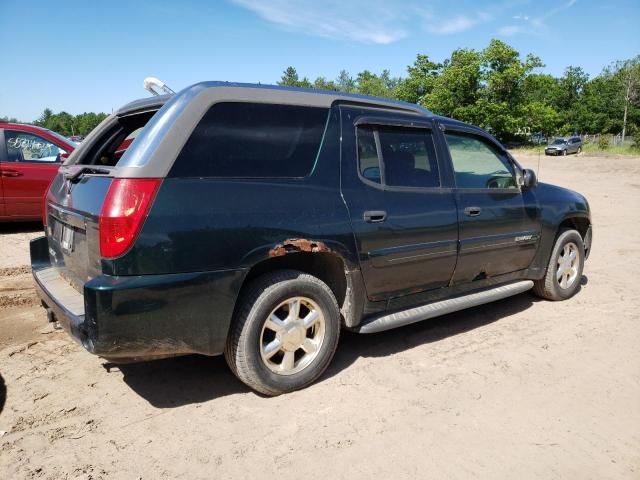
380 323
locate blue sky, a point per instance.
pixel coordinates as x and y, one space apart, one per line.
92 56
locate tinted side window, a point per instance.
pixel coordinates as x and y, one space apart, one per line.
27 147
478 165
408 156
368 154
253 140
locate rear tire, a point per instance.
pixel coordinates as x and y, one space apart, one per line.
284 333
579 150
564 271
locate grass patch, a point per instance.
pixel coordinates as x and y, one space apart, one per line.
595 149
587 148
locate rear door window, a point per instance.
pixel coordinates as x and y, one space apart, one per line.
253 140
397 156
368 162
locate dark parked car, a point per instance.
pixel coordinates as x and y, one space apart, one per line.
29 159
562 146
259 221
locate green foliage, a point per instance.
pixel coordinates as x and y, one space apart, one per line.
322 83
420 80
498 89
67 124
603 142
9 119
495 88
382 85
487 88
366 83
456 88
290 79
345 82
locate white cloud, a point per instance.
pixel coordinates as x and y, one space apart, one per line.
457 24
534 25
509 30
365 21
373 21
452 25
383 22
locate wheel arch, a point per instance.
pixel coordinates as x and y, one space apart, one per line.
582 224
320 260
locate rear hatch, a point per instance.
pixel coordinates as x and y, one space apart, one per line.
75 199
72 226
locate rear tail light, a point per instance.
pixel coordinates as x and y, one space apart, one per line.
124 210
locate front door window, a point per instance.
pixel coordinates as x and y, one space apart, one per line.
477 165
28 147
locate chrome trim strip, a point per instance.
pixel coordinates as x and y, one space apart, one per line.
66 216
500 240
384 256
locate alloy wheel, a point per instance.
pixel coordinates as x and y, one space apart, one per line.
567 267
292 336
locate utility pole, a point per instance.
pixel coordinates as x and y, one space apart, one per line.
630 76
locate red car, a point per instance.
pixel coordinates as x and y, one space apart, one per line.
29 159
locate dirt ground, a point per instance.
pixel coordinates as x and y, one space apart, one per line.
522 388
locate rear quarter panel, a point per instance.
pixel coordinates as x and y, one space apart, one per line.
209 224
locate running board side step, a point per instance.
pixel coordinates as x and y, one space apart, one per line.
380 323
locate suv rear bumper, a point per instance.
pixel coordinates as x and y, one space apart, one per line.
66 303
142 316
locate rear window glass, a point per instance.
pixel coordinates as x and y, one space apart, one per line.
113 141
252 140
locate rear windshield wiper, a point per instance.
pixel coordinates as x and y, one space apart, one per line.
74 172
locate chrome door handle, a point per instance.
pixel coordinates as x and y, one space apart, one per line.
375 216
472 211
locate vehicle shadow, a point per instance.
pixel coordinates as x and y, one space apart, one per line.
353 346
173 382
20 227
3 393
178 381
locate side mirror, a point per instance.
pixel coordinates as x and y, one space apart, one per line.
62 156
372 173
529 179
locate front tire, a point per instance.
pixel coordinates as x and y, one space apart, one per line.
564 153
564 271
284 333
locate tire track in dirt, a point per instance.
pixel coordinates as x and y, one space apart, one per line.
16 288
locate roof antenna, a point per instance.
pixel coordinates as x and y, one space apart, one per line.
151 82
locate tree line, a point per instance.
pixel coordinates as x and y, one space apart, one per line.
496 88
64 123
501 91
